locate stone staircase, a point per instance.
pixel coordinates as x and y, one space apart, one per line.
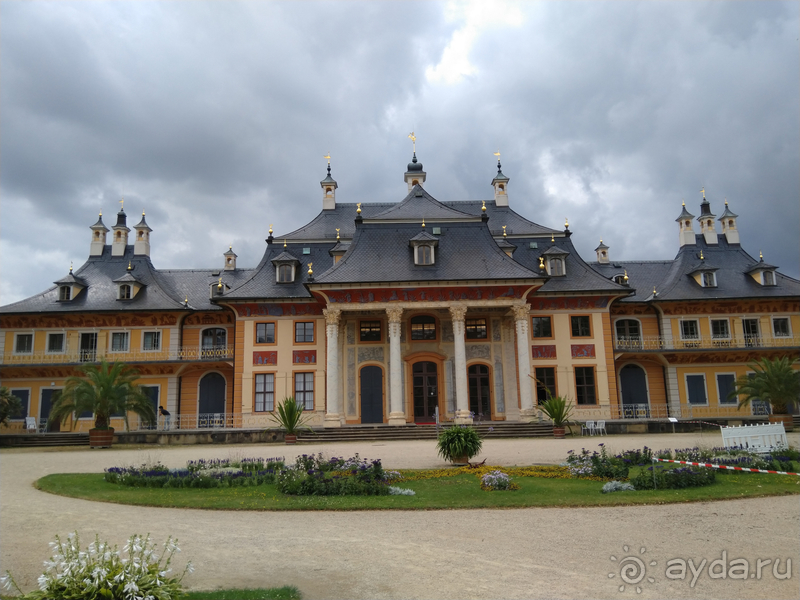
360 433
39 440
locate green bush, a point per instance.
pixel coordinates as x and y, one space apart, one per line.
459 442
312 475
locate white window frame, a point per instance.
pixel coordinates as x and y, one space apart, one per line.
788 323
686 385
278 273
64 290
63 346
764 278
123 286
551 266
17 336
712 279
269 404
418 258
711 327
697 325
111 335
156 349
27 408
720 400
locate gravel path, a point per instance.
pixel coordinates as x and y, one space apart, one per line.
518 553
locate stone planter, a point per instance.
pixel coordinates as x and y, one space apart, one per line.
290 438
460 461
558 432
101 438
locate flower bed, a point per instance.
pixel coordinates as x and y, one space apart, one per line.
313 475
662 478
199 474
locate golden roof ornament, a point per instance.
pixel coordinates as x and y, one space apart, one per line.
701 255
328 157
310 272
70 266
413 139
703 191
761 256
284 243
566 223
122 203
626 276
219 284
541 262
483 208
358 208
553 237
337 234
130 268
270 228
423 222
504 231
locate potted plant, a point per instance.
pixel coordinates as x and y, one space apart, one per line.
774 381
559 410
289 416
459 443
103 390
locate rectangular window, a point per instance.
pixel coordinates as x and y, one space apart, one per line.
265 333
304 390
64 293
151 340
752 332
725 387
545 382
542 327
369 331
423 328
585 390
476 329
581 326
696 389
709 280
720 329
24 343
55 342
690 330
769 277
304 332
119 341
780 327
24 398
264 399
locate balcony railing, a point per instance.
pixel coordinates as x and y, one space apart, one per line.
645 412
661 343
204 421
188 353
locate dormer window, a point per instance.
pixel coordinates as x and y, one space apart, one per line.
64 293
285 267
709 280
424 255
125 291
768 278
620 279
285 273
556 267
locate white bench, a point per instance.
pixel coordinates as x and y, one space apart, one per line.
761 439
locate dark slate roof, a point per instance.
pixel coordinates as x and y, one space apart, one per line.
285 257
466 251
761 266
70 279
503 215
685 214
673 281
424 236
418 205
164 289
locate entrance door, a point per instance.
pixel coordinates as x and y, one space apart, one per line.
88 347
479 401
48 398
426 392
635 403
372 395
211 404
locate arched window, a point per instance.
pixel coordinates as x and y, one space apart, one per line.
424 255
125 292
423 327
285 274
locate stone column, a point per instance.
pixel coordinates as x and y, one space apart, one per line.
397 414
333 387
522 315
462 415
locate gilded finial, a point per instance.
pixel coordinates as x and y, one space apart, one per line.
337 234
270 228
626 276
655 293
504 231
413 139
566 223
284 243
310 272
122 203
483 207
703 191
761 256
553 238
358 208
186 300
328 156
423 222
219 284
726 202
497 154
142 212
101 213
70 266
701 255
130 268
541 262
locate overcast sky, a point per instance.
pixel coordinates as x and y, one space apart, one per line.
214 117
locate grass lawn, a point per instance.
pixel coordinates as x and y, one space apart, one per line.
459 491
284 593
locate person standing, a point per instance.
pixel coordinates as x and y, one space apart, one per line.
164 413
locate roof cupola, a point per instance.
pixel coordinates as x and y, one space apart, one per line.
99 231
500 183
121 231
728 220
230 259
602 253
141 247
686 234
706 219
414 174
329 186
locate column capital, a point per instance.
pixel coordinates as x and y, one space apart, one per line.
395 314
521 311
457 312
332 315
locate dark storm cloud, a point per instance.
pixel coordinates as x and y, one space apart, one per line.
214 118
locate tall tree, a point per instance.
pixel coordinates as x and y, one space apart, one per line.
774 381
105 389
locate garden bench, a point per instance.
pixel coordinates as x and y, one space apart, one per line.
761 439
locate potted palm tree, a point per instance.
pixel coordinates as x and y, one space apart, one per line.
104 390
289 417
774 381
559 410
459 443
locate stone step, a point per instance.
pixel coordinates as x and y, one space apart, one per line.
421 432
47 440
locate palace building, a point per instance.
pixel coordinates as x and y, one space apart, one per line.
401 313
